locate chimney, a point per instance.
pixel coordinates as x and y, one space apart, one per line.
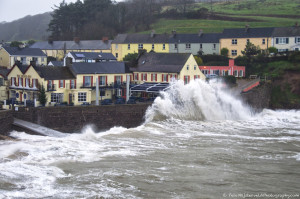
76 40
173 33
247 27
231 62
200 33
152 33
50 40
105 39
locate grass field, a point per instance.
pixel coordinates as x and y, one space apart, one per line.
270 13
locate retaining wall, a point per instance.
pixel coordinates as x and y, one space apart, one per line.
73 119
6 120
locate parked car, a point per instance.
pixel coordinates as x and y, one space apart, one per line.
131 101
106 102
120 101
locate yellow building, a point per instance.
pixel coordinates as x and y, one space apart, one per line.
11 55
124 44
111 79
236 39
163 67
3 84
58 49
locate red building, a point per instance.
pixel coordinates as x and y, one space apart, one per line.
231 69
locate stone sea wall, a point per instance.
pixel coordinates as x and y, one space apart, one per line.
6 120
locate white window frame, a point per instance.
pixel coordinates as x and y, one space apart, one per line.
165 78
164 47
297 40
87 81
234 41
234 52
119 79
82 96
102 80
61 83
144 76
153 46
188 46
140 46
186 79
135 76
56 97
72 82
281 40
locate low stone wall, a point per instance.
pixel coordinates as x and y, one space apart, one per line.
6 120
73 119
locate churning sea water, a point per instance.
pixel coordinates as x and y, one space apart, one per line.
197 142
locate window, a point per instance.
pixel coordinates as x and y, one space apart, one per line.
195 67
205 72
296 49
141 46
27 83
118 79
72 84
297 39
13 81
164 77
201 46
61 83
186 79
82 97
282 40
214 46
154 77
57 97
136 76
283 50
216 72
128 47
234 41
187 67
175 46
42 59
188 46
234 52
248 41
152 46
87 81
117 55
23 60
164 46
263 41
1 81
102 80
173 77
197 77
241 73
144 76
20 82
117 46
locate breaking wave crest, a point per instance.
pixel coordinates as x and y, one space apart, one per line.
197 100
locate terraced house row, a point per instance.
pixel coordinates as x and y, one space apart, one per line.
235 40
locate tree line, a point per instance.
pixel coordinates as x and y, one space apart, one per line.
94 19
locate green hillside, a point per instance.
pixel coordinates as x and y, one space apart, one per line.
234 14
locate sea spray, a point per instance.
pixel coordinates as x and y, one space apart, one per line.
198 100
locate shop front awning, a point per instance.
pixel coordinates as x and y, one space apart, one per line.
150 87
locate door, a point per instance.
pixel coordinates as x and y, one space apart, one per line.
70 99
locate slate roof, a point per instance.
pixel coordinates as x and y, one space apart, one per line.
4 71
93 55
141 38
286 31
72 45
54 72
99 68
249 33
24 51
195 38
56 63
161 62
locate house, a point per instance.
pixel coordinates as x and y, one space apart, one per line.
10 55
3 83
203 43
231 69
111 79
58 49
90 57
286 38
124 44
163 67
236 39
25 82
